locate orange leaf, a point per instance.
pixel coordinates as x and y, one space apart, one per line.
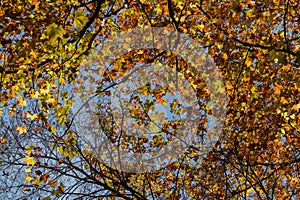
296 107
52 183
277 89
283 100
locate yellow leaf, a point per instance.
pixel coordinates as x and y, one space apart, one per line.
225 56
60 150
21 129
29 160
21 102
44 91
35 95
293 116
229 86
2 56
27 170
201 26
140 52
53 130
249 191
37 181
248 62
28 179
219 45
29 149
33 54
31 116
51 100
62 81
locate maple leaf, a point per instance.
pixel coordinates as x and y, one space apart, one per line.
54 32
277 89
28 179
31 116
21 129
296 107
29 161
262 93
21 101
27 170
52 183
283 100
79 19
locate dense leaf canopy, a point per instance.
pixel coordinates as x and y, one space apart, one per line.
255 46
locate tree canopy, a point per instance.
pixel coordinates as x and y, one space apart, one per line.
48 61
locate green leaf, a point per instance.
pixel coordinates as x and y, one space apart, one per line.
54 31
56 192
250 11
79 19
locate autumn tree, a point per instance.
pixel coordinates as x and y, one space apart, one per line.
45 45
